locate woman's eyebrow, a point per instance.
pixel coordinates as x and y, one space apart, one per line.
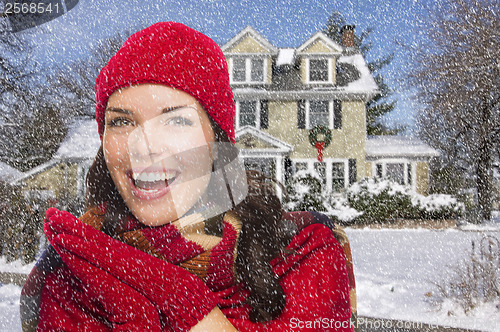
173 108
118 110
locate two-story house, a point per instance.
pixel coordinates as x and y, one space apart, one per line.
282 95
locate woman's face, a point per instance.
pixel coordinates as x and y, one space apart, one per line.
157 147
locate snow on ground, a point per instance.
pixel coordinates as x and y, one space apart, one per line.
9 308
393 270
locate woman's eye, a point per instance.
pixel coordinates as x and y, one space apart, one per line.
179 121
120 122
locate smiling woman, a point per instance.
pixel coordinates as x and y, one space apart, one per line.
177 236
157 145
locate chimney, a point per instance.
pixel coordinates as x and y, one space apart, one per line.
347 33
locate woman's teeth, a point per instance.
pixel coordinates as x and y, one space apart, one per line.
154 177
153 180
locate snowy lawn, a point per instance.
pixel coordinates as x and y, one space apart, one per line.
393 271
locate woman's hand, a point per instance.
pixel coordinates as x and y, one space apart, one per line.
181 297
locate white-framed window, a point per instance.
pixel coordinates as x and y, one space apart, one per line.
319 70
319 112
247 113
252 113
248 70
399 170
311 113
333 172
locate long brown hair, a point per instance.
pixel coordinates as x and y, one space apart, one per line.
262 237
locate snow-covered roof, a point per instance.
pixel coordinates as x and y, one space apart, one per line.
365 82
81 142
388 146
9 173
286 56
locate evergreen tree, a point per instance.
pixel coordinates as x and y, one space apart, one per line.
380 105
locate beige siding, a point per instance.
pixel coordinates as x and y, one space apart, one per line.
248 45
303 70
57 179
269 63
318 47
422 178
250 142
347 143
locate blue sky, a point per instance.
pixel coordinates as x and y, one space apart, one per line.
285 23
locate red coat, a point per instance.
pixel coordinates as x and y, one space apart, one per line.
314 278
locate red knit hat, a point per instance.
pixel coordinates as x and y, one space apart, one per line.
175 55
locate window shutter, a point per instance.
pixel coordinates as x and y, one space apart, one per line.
337 114
409 175
301 114
264 112
352 171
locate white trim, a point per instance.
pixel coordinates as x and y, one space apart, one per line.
257 115
405 162
247 93
308 113
336 48
329 69
248 70
248 30
329 168
280 146
331 114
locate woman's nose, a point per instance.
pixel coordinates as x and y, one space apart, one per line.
146 144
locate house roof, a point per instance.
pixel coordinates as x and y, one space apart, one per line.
365 82
9 173
275 145
388 146
81 142
255 35
286 56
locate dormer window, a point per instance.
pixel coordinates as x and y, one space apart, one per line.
319 71
247 70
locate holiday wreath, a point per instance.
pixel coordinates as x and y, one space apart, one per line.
320 137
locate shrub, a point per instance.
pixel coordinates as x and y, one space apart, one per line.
20 225
473 280
384 201
305 191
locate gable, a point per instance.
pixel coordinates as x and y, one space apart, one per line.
250 138
318 46
249 141
248 45
249 41
319 43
